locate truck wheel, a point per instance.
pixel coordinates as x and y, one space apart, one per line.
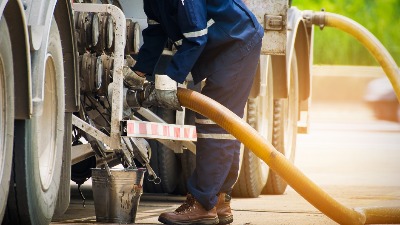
285 129
163 161
187 159
254 172
64 191
6 113
38 148
188 164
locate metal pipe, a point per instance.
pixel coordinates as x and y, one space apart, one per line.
365 37
278 162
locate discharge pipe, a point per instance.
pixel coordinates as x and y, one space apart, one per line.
278 162
365 37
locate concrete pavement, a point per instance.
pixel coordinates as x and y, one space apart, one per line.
352 156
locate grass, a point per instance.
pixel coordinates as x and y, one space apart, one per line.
380 17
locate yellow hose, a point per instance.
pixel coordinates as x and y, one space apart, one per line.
278 162
369 41
381 215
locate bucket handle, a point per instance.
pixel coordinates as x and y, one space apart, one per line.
152 175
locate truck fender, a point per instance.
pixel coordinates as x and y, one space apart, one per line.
299 43
39 28
13 11
64 17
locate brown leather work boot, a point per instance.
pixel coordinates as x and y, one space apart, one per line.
190 212
224 211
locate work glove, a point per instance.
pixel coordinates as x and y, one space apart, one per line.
131 79
129 61
163 94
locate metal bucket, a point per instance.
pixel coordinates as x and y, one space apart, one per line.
116 197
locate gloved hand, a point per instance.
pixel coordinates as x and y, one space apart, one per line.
132 80
129 61
163 94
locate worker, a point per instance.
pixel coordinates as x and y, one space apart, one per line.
218 41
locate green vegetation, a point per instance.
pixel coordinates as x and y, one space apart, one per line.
380 17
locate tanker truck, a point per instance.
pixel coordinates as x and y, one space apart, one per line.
65 107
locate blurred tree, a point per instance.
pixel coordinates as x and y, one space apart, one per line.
380 17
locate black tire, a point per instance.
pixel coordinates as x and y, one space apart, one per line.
38 147
64 191
188 163
187 159
163 161
254 172
285 129
6 113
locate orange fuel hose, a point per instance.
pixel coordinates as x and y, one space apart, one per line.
278 162
365 37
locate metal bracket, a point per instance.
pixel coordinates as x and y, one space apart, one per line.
272 14
114 141
91 130
80 153
272 22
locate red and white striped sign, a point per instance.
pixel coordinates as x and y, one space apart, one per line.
160 130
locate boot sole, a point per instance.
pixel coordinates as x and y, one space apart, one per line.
193 222
225 220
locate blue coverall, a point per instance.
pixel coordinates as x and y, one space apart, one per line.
217 40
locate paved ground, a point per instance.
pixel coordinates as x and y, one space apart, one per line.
349 154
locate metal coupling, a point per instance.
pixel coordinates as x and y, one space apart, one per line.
314 18
134 98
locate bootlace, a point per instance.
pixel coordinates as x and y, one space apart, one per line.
189 202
